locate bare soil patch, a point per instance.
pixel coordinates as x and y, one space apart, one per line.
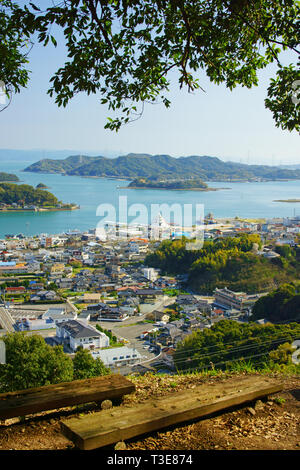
269 424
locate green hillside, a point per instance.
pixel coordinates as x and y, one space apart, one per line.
24 194
282 304
8 177
187 184
226 262
162 166
228 342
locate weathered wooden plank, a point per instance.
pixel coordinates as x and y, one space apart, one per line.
110 426
49 397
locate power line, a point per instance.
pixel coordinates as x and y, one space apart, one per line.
212 366
246 348
217 348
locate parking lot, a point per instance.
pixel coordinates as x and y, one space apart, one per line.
131 329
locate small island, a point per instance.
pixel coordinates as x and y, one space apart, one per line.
287 200
8 177
23 197
41 186
188 184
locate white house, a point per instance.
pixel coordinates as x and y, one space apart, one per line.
150 273
47 320
78 333
116 357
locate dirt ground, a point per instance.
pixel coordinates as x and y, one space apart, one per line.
268 424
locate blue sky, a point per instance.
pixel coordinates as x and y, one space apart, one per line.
230 125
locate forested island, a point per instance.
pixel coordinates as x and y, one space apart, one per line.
230 262
162 167
23 197
287 200
191 184
8 177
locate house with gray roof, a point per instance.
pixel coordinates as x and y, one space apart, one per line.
76 333
58 314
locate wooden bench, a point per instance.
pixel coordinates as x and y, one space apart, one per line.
64 394
119 423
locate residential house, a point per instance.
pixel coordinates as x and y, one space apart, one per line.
186 299
91 298
117 357
44 295
57 268
167 356
65 283
169 335
58 314
76 333
158 316
150 273
15 290
147 295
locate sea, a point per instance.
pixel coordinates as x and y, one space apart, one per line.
97 197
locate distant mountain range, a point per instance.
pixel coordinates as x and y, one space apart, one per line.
156 167
290 167
29 156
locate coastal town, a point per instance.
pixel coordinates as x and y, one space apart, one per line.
76 289
149 229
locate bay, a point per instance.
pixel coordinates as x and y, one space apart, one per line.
247 200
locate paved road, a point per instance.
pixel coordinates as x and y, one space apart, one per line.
133 327
6 320
130 330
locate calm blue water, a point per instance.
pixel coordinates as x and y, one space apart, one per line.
252 200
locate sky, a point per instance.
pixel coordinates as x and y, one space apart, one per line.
231 125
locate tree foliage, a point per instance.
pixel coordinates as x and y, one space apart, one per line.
126 49
112 338
8 177
189 170
25 194
228 342
30 362
282 304
283 354
192 183
225 262
85 366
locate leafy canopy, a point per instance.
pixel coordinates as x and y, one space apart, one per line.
25 194
225 262
282 304
85 366
125 49
228 342
31 362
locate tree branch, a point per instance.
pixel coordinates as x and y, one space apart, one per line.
93 9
